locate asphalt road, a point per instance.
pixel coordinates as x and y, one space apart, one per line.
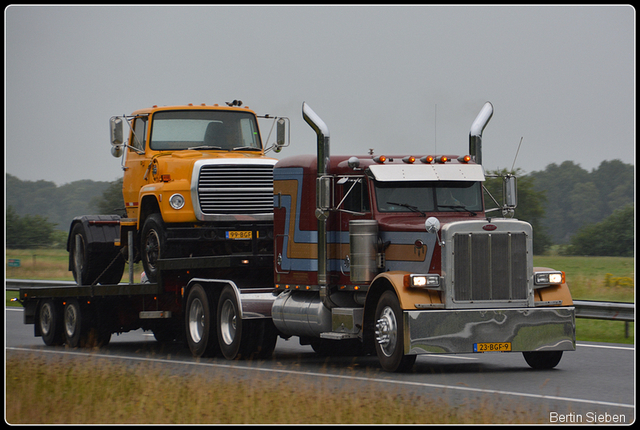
594 382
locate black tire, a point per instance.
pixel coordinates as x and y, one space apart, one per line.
542 359
83 262
153 245
50 323
200 323
259 338
389 335
229 324
91 267
114 270
75 327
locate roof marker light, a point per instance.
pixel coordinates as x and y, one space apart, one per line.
409 159
427 159
464 159
443 159
380 159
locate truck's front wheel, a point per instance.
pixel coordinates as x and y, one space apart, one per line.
389 335
153 245
542 359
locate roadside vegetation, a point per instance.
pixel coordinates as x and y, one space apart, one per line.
99 391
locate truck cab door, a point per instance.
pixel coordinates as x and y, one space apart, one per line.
136 164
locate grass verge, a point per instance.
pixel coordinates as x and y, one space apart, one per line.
97 391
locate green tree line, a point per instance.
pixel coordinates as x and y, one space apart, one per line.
588 213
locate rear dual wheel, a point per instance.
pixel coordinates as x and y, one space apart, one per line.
91 267
50 323
81 327
214 326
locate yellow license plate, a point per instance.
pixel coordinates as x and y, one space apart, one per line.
240 235
492 347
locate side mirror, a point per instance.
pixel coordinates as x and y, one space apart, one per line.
280 135
323 193
510 191
116 130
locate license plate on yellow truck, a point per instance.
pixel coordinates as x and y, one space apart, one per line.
240 235
492 347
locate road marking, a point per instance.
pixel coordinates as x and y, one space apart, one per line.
626 348
327 375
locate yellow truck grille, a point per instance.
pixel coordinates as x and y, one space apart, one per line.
235 189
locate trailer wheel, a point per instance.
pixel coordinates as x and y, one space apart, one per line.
200 323
50 323
229 325
74 326
542 359
389 335
153 246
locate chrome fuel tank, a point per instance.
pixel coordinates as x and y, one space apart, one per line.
301 313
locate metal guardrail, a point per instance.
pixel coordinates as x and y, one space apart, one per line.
616 311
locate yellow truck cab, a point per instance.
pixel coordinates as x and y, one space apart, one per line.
196 183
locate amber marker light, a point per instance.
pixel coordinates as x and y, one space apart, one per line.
428 159
464 159
380 159
409 159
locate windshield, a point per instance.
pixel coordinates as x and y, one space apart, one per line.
204 129
422 196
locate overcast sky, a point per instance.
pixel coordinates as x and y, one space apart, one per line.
398 79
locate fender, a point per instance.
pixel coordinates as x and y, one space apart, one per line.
252 304
553 292
408 297
102 231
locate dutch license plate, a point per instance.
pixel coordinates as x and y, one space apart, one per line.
239 235
492 347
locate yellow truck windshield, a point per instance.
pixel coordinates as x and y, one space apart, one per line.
204 130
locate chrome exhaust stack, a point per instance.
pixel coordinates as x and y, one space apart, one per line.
475 134
323 195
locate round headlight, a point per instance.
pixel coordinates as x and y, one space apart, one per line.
176 201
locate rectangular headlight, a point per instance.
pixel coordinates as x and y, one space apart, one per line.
430 281
548 278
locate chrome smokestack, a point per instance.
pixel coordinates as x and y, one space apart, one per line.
475 134
322 193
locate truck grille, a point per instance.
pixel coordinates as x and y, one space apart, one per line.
235 189
490 267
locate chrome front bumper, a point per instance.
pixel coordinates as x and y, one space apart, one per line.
456 331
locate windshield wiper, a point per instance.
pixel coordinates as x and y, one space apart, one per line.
205 147
244 148
411 208
458 207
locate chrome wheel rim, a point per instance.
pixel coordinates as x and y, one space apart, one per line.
228 326
196 320
70 320
387 331
46 318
